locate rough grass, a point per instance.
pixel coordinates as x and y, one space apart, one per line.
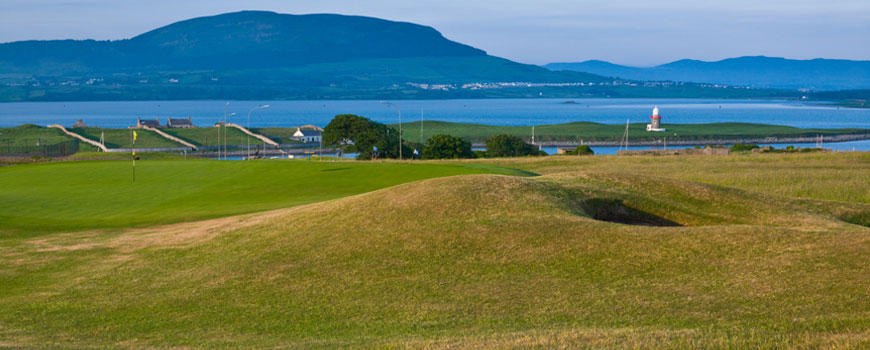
208 136
121 138
829 176
26 135
476 261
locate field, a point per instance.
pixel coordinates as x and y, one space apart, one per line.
73 196
121 138
208 136
280 135
28 135
588 131
669 252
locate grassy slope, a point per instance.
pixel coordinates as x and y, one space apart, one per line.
28 134
209 135
100 194
589 131
280 135
470 262
832 176
120 138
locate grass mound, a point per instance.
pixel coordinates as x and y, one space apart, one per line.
474 261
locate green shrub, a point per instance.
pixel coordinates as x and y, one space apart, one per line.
510 146
739 147
441 146
584 150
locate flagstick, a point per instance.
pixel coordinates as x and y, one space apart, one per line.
133 147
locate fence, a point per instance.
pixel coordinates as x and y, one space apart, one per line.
28 149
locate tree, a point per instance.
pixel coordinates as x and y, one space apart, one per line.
583 150
356 134
442 146
509 146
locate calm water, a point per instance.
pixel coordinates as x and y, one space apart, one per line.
496 112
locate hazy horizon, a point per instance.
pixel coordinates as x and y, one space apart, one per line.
631 33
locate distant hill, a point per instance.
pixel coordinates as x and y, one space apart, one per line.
262 40
266 55
759 71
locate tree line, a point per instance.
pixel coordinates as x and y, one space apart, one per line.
372 140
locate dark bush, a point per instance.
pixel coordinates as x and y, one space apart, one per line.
443 146
510 146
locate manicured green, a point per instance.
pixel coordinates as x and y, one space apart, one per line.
72 196
588 131
475 262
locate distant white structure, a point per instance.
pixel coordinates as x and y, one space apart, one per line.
656 119
307 135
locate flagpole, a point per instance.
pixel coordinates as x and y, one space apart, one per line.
133 147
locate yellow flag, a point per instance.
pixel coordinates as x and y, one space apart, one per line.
134 135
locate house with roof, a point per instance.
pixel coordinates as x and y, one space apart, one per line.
307 135
180 123
79 124
149 123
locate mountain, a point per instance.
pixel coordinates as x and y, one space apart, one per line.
256 40
758 71
266 55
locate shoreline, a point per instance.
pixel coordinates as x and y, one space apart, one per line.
773 140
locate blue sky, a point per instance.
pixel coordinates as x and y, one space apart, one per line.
628 32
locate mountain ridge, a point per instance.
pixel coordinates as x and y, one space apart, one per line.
755 71
245 39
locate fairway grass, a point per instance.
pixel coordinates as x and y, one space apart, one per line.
474 261
73 196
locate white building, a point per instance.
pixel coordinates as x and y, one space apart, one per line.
307 135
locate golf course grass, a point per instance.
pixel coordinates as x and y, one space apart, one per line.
72 196
649 252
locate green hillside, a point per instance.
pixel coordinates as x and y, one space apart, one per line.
589 131
252 55
473 261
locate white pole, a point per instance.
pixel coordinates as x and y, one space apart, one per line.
249 130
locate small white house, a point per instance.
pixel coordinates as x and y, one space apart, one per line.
307 135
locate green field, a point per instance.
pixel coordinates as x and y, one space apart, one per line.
280 135
122 138
588 131
101 194
28 134
208 136
649 252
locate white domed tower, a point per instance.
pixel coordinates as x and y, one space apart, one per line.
656 119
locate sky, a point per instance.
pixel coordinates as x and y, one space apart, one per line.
631 32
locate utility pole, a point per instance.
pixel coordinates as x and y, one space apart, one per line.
249 130
226 107
400 125
421 127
